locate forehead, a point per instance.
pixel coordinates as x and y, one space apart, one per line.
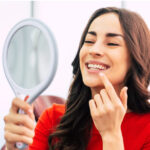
106 23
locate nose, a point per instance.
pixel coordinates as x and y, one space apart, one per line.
97 50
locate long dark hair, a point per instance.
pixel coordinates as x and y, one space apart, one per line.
73 132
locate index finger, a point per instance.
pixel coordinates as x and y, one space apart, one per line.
19 104
109 87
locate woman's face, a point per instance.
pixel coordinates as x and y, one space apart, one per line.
104 50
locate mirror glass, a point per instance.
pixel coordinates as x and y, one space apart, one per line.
28 57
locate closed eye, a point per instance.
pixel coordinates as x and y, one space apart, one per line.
112 44
88 42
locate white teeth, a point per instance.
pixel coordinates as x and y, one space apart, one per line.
94 66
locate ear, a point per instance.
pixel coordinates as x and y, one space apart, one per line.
124 96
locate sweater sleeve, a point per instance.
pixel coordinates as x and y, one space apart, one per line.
43 130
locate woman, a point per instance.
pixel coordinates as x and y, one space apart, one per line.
107 106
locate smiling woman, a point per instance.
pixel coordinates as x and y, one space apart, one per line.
107 106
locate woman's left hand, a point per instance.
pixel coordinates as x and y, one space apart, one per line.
107 108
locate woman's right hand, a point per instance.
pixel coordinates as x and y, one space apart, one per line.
19 127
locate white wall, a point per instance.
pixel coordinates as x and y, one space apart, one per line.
67 21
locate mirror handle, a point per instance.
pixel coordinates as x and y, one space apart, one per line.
20 145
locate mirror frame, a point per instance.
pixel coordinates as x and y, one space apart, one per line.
36 91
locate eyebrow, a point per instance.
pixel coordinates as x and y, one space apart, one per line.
114 35
107 35
92 33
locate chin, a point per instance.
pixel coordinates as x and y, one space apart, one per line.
92 84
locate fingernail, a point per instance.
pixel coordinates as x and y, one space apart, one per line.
26 98
101 74
30 111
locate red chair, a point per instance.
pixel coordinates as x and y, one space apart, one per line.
41 103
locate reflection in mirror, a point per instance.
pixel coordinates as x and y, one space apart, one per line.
28 57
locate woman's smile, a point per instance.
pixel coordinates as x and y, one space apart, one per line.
96 66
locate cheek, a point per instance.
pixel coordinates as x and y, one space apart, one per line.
126 62
121 58
122 67
81 56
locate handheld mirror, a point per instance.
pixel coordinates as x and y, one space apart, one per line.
30 58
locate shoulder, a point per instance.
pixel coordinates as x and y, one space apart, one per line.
56 108
46 125
53 113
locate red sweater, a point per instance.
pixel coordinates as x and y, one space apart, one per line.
135 130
